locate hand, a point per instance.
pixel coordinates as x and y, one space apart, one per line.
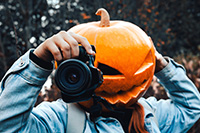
160 62
62 46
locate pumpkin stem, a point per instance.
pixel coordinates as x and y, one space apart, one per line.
105 18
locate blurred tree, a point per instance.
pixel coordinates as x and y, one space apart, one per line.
20 27
173 25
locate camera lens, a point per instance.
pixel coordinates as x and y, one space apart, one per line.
73 77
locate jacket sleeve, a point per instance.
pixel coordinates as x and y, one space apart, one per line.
182 110
18 94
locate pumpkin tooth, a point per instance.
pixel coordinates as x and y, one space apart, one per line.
123 98
113 100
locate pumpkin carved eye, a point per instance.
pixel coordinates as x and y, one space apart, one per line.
107 70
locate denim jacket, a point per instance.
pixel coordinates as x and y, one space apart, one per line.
23 81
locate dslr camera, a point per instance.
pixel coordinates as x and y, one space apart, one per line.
78 78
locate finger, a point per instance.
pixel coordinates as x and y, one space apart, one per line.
152 43
54 50
73 44
158 55
63 46
84 42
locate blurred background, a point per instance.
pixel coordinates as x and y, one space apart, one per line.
174 26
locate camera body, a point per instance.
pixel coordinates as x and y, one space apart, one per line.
78 78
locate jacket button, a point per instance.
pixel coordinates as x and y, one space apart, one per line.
21 63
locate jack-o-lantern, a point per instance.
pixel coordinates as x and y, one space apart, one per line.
124 53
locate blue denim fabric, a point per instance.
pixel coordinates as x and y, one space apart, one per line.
22 83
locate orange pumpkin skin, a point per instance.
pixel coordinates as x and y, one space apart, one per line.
126 48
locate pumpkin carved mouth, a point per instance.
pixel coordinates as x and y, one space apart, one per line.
126 95
120 92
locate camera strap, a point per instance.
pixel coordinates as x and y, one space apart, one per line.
76 117
147 106
96 109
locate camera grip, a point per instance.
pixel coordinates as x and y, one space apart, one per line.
83 56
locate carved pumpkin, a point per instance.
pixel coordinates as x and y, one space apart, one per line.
124 53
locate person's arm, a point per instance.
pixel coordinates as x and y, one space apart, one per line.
23 81
19 90
182 110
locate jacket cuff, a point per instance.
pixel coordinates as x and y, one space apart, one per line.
169 71
40 62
